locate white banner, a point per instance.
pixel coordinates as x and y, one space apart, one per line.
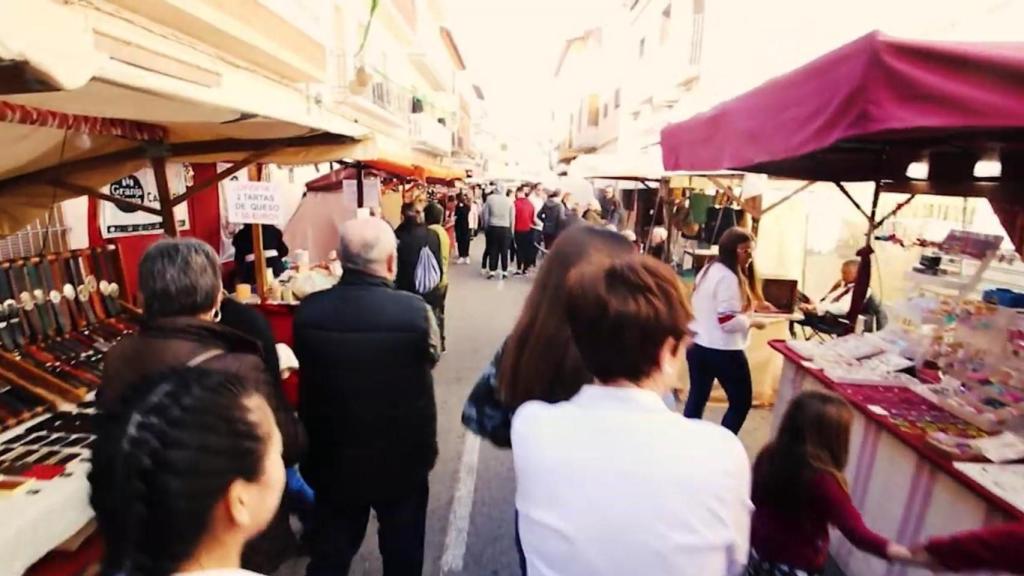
141 187
227 229
254 203
371 192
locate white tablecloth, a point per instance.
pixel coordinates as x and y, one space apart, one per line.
901 495
38 520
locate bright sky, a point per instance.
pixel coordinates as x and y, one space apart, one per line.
512 47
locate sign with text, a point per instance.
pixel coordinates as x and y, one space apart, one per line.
254 203
140 187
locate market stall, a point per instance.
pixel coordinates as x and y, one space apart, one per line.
913 117
63 310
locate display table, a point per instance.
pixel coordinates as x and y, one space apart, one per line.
906 490
43 517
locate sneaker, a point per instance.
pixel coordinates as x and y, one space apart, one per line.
504 275
490 275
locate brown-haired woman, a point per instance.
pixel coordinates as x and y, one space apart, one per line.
612 481
724 297
800 490
539 361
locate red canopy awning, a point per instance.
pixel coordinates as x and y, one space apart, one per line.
866 110
333 180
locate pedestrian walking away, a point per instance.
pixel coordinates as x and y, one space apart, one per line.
683 486
553 218
434 217
463 232
416 244
499 219
367 395
538 360
524 217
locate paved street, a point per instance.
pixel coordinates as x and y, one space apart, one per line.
478 539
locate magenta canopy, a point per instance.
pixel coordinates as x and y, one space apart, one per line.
864 111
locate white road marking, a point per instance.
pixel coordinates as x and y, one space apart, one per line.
462 507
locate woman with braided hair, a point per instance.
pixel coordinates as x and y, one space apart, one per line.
185 475
180 285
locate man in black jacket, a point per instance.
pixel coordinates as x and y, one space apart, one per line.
367 399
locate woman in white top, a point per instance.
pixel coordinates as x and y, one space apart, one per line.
724 297
612 482
185 474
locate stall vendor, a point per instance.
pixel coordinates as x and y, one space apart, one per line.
274 249
828 314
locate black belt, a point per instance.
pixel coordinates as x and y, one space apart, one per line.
10 321
57 303
81 292
42 300
90 283
81 286
19 283
107 283
67 291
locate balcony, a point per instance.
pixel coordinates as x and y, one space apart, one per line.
379 103
427 134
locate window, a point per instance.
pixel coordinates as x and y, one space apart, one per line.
643 46
593 110
47 234
697 36
666 24
618 98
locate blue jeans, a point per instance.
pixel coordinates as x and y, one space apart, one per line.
299 496
731 369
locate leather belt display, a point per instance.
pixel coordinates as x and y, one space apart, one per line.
107 283
91 284
67 291
25 301
42 301
11 333
81 292
57 303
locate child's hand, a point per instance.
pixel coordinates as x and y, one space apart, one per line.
898 552
758 324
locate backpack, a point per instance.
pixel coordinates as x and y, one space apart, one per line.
551 216
427 274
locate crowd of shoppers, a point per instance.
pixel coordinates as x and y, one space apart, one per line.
189 469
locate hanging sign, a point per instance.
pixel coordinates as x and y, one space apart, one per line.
371 191
254 203
140 187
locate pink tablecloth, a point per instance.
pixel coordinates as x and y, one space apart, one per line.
904 491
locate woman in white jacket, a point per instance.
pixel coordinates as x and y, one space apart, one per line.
724 299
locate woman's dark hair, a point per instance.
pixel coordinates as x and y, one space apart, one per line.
411 212
433 214
621 312
728 255
162 462
814 437
539 360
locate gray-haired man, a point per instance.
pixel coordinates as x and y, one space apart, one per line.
367 398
